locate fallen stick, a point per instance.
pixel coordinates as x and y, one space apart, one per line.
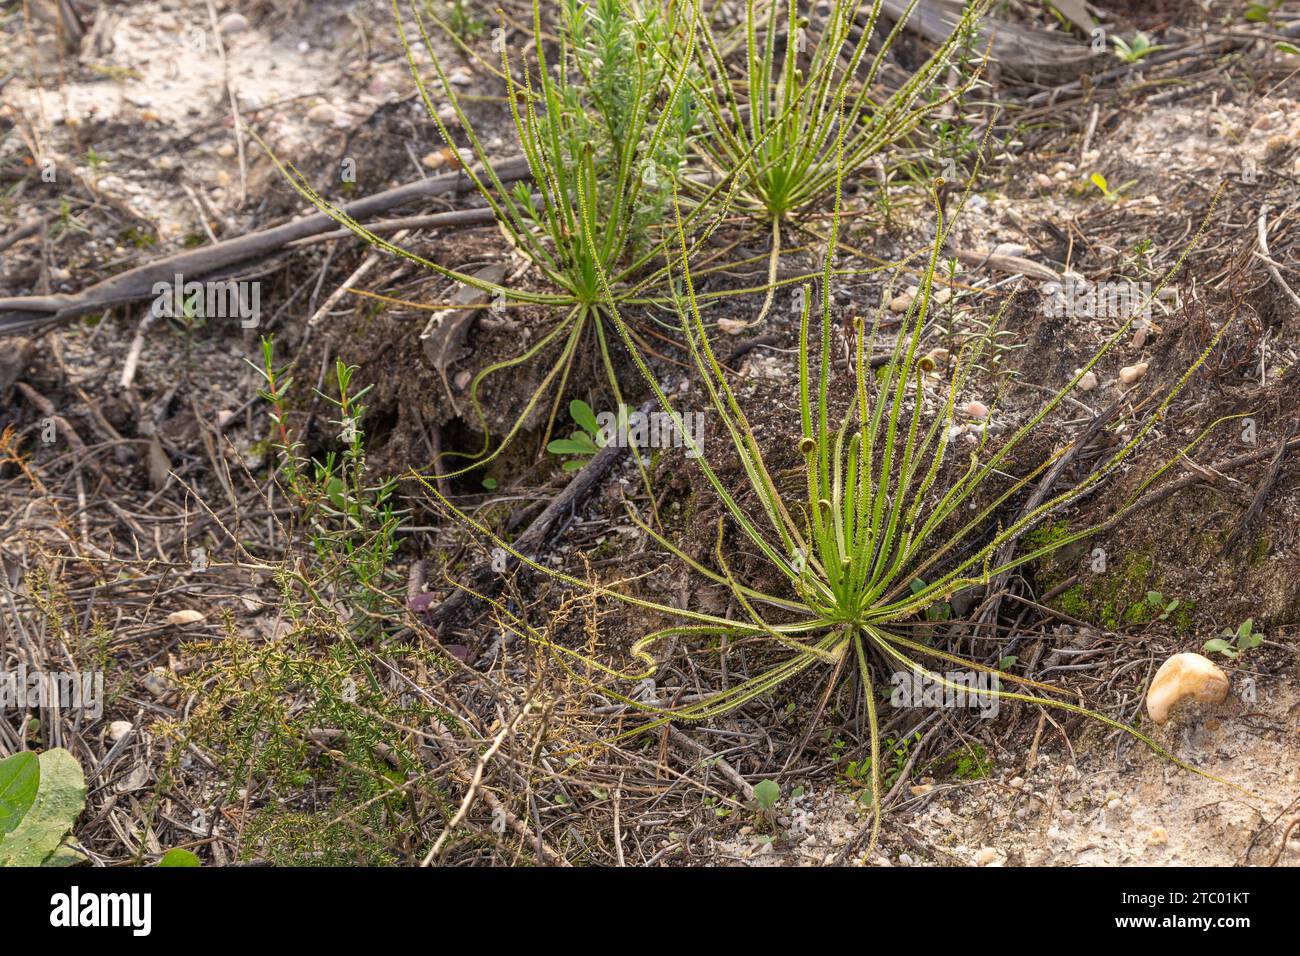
1261 226
31 312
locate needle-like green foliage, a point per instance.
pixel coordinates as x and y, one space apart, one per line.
778 120
604 115
893 519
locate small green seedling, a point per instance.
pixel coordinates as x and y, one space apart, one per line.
1112 195
1166 608
582 443
40 799
937 612
1235 645
766 794
1135 51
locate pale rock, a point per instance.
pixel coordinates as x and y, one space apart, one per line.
232 23
1043 181
903 301
985 856
1013 249
435 160
943 296
226 150
732 326
1185 677
119 729
975 410
1130 374
1158 836
159 682
181 618
1088 382
322 113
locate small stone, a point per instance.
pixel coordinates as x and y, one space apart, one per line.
462 380
460 76
1185 677
322 113
119 729
903 301
1012 249
232 23
1113 805
226 150
1158 836
985 856
975 410
1055 835
1088 382
1130 374
181 618
1067 818
905 859
1043 181
732 326
922 789
1016 783
943 296
435 160
159 682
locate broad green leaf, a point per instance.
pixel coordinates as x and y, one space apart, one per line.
490 484
20 776
583 415
179 857
1099 181
1247 626
1283 47
336 491
573 446
766 793
60 798
1156 598
66 855
1219 646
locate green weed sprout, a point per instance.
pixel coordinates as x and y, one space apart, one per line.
1234 645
